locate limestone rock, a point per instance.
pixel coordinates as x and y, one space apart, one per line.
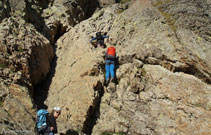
104 3
77 53
163 70
76 111
17 113
30 52
24 61
163 74
66 13
26 53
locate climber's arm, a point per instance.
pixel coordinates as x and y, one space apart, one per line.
94 38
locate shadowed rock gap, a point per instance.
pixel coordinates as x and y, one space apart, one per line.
91 9
94 111
188 69
166 63
192 70
41 89
37 20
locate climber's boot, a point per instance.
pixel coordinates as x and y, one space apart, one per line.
106 82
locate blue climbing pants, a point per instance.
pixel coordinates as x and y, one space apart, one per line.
109 66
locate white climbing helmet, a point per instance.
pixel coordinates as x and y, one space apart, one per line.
57 109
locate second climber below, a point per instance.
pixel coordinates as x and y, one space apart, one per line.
110 61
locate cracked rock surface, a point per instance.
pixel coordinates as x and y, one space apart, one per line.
26 51
163 73
163 70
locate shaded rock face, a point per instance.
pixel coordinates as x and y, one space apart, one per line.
62 15
26 51
24 61
183 14
104 3
17 5
17 113
163 73
51 17
88 7
4 10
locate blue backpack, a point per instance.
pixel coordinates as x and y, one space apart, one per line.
41 124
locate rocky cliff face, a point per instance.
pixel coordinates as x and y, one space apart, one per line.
163 70
24 61
26 43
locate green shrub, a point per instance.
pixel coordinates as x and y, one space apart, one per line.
3 65
143 72
159 3
18 13
119 11
1 102
124 1
169 19
107 133
208 107
205 106
20 49
111 133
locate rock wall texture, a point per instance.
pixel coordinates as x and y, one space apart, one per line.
163 70
50 17
24 61
63 14
26 51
